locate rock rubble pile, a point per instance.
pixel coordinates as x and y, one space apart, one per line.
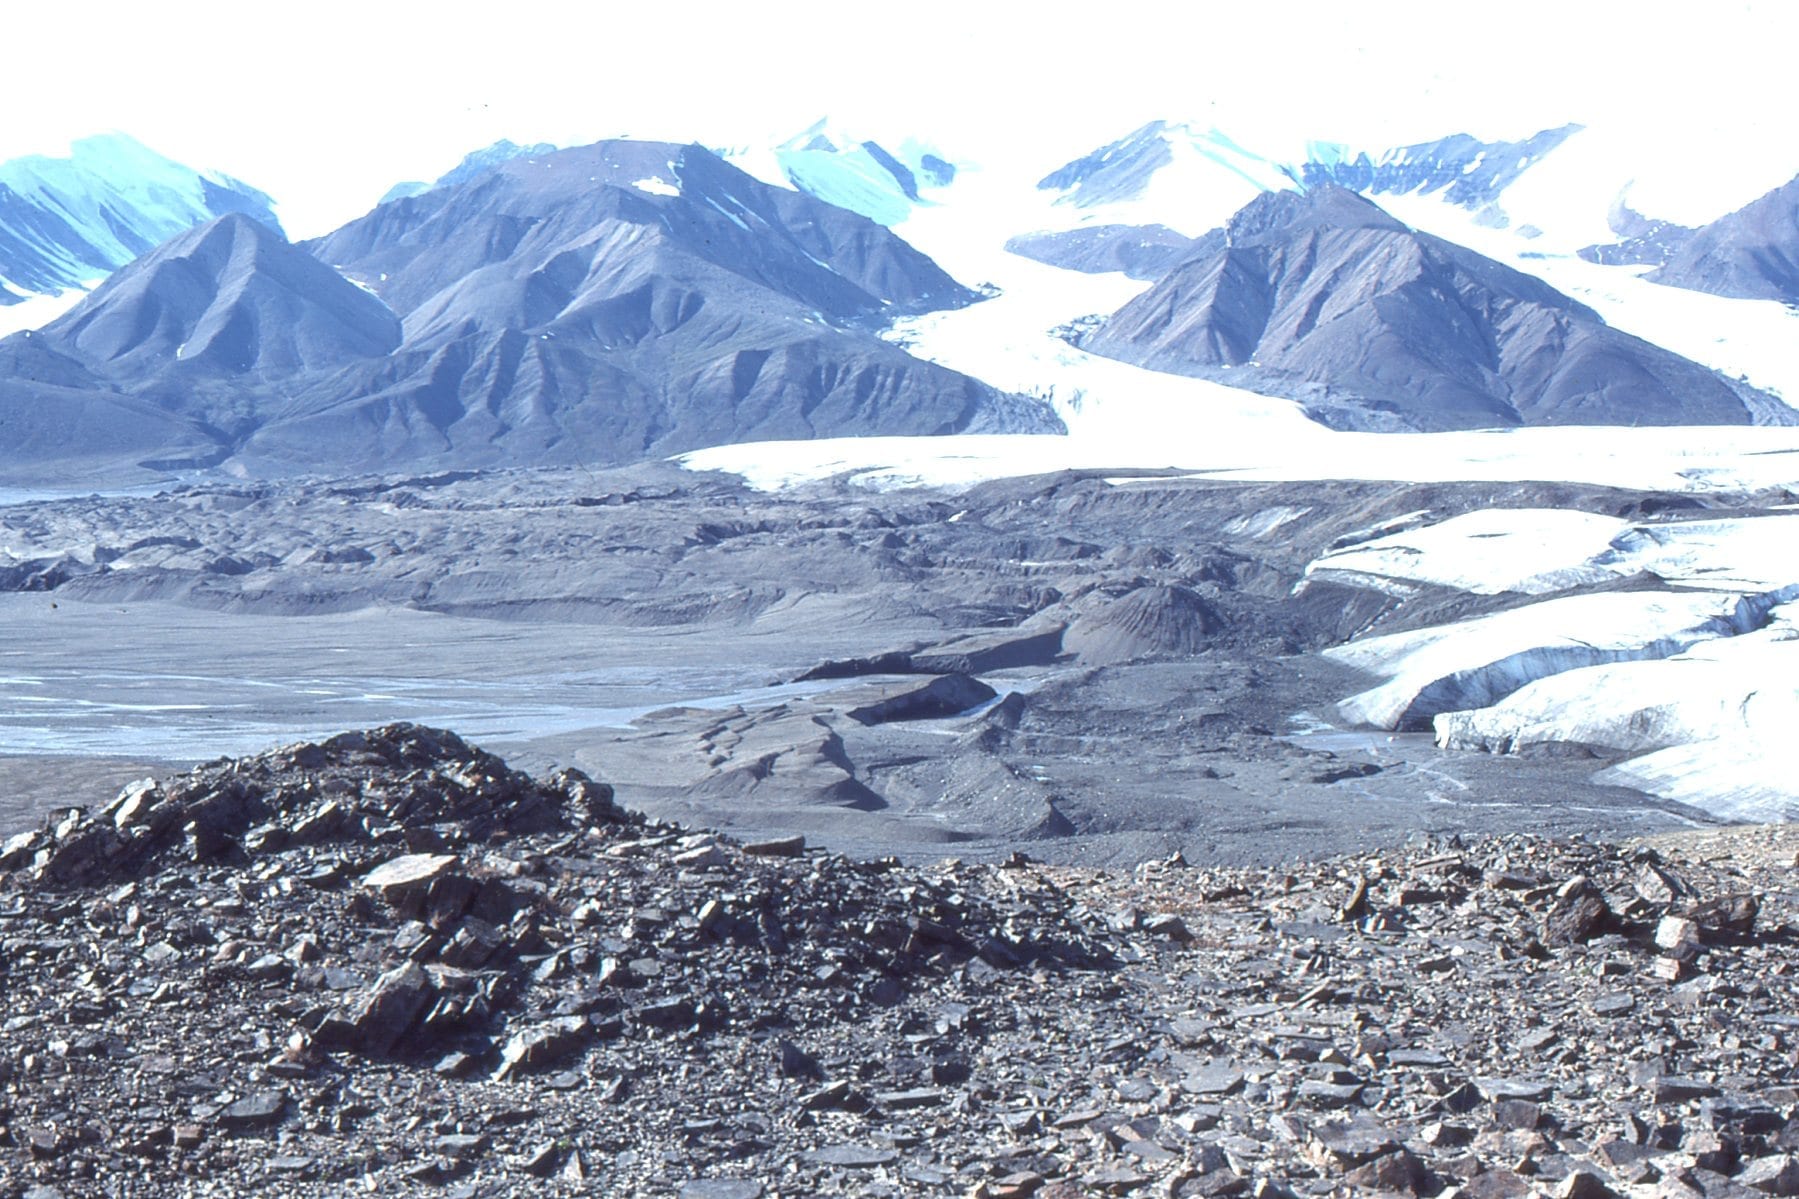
388 962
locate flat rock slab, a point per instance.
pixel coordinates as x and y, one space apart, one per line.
901 1100
255 1111
1213 1080
1355 1141
1672 1089
1535 1090
408 873
721 1188
852 1157
1417 1059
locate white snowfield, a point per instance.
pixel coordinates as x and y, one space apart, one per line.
1527 550
37 311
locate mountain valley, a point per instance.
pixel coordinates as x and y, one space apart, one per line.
1021 651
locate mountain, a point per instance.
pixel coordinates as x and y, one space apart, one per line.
597 305
1323 296
472 164
629 299
189 339
1191 178
1460 169
199 323
65 222
863 176
1644 241
1752 253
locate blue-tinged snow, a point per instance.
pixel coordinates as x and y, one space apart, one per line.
65 222
1476 663
883 182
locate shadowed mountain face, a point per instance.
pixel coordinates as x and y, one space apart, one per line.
1325 297
180 353
629 299
1753 253
231 298
602 304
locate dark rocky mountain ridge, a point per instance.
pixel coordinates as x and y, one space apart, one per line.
1144 252
229 298
1752 253
1324 296
602 304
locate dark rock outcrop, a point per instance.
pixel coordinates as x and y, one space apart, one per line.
230 299
1139 251
663 1011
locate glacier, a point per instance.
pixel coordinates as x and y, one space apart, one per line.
1692 684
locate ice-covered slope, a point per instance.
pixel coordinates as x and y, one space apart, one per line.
68 222
1180 175
1479 662
1527 550
883 183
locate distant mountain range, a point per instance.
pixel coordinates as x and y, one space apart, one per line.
601 304
67 222
633 299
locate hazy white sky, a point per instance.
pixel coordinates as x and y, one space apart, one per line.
324 104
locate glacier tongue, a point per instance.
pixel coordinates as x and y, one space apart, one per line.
1732 778
1693 685
1729 687
1527 550
1481 661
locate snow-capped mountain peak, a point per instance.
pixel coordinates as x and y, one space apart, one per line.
884 182
1193 177
68 221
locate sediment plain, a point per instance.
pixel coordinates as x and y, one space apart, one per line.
1094 668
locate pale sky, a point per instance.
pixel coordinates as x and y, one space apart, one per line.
325 104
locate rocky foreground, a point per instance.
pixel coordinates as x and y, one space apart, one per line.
389 963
